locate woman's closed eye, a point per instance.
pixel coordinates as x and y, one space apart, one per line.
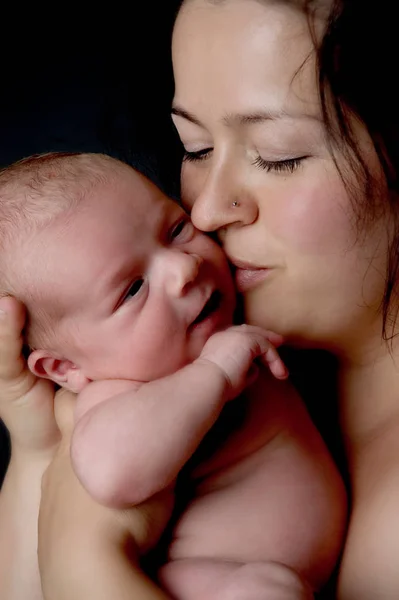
279 166
198 155
288 165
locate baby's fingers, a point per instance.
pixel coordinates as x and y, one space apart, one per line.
272 359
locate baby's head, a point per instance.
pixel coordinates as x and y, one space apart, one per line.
36 194
116 281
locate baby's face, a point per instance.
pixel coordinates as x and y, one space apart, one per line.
142 288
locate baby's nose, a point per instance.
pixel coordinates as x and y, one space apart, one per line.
183 270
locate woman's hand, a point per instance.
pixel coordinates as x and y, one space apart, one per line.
26 403
27 409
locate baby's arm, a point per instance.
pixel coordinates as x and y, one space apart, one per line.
87 551
130 446
213 579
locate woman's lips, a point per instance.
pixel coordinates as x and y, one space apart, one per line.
248 278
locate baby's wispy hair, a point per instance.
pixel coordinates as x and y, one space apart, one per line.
34 192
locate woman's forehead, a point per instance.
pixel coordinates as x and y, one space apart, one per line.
241 55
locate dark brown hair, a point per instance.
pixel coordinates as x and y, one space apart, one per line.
356 64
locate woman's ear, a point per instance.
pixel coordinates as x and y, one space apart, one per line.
60 370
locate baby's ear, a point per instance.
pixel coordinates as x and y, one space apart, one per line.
60 370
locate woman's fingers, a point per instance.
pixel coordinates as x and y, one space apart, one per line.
12 318
26 403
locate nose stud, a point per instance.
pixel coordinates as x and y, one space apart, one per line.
234 203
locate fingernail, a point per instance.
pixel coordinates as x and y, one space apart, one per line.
284 373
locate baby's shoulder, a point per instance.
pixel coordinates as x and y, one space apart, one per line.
99 391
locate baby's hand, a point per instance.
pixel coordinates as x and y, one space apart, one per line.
235 350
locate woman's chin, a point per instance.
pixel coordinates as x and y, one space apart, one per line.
254 313
292 336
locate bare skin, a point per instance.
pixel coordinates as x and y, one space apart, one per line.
155 397
26 407
69 517
92 536
73 529
237 477
271 475
259 169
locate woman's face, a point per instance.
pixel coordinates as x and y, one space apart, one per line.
259 171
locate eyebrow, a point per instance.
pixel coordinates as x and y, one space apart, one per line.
184 114
253 118
234 118
243 119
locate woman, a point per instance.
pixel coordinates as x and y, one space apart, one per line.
291 155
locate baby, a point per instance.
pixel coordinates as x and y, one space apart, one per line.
131 307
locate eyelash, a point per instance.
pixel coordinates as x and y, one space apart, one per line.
290 164
196 156
183 231
278 166
178 228
140 280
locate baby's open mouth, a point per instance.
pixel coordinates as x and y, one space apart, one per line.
211 306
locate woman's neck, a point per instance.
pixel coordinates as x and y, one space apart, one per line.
368 392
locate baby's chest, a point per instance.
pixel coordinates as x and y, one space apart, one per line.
246 427
243 510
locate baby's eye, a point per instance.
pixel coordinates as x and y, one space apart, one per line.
178 229
183 231
134 288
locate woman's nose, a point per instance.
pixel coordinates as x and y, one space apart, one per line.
223 201
181 269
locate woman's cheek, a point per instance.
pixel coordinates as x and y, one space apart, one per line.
314 217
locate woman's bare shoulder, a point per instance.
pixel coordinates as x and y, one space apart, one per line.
369 566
